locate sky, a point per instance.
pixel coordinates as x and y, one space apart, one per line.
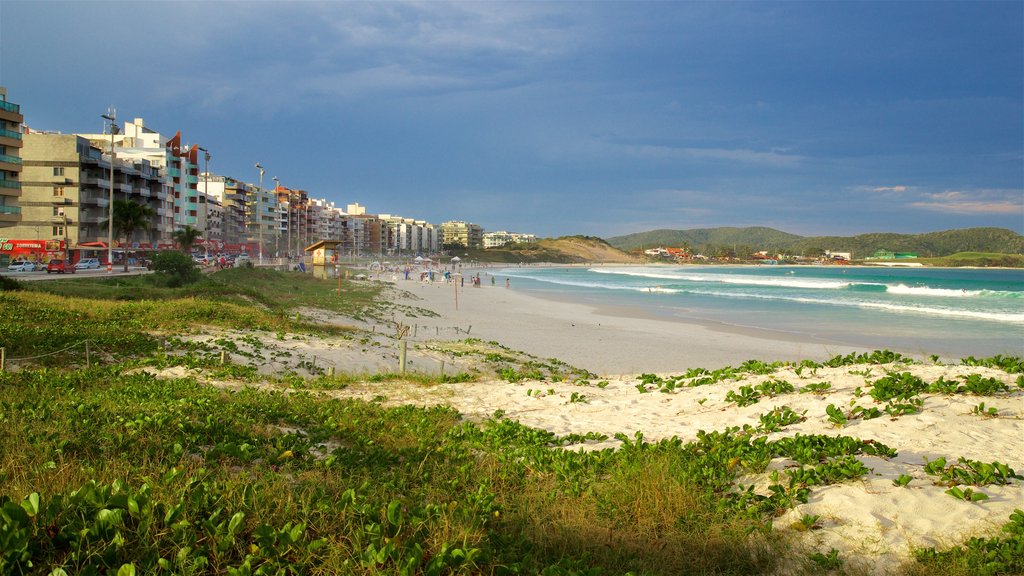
561 118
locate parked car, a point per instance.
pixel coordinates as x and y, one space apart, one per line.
23 266
59 266
88 264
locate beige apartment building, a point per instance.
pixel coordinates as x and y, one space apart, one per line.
66 191
465 234
10 162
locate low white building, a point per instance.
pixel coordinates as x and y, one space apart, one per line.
501 238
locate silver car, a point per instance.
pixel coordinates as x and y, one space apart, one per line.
88 264
24 266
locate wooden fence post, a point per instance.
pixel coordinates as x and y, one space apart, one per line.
401 356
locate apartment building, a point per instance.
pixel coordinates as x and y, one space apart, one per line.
138 144
66 190
459 233
10 162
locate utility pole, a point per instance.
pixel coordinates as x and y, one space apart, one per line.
259 210
110 215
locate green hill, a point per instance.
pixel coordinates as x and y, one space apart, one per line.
724 236
748 240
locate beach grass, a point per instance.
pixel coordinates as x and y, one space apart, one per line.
109 467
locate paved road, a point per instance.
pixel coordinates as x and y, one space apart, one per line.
100 273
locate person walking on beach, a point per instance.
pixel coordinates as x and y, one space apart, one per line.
492 280
506 283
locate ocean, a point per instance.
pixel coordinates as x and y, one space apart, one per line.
949 312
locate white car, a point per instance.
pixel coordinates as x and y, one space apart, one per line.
24 266
88 264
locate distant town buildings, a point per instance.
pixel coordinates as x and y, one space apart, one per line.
501 238
55 190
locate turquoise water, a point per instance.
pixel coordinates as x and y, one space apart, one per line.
950 312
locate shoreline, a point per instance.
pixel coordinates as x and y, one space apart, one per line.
607 340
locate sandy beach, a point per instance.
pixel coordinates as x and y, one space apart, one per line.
607 341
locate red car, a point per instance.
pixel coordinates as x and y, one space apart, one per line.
61 266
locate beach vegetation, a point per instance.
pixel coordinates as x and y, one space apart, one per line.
745 396
866 413
827 561
9 284
1009 364
807 522
816 388
778 418
111 470
576 397
967 494
982 410
899 386
876 357
909 406
902 480
836 415
981 556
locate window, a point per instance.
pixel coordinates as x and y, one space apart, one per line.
58 231
58 190
58 210
58 170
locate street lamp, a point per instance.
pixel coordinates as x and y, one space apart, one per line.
110 215
206 206
277 190
259 210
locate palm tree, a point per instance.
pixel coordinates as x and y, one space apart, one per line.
128 217
186 238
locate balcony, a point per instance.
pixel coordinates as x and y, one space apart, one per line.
10 134
10 107
5 209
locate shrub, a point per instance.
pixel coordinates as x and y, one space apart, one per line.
9 284
175 268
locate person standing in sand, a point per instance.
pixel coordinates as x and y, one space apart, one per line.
506 283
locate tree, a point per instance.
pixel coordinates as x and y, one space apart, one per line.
128 217
186 238
175 268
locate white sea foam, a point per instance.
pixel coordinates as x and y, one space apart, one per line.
807 283
1002 317
896 298
788 282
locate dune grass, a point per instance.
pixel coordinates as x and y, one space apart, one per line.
108 467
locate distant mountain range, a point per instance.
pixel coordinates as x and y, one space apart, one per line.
749 240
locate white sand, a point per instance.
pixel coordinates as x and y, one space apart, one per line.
605 341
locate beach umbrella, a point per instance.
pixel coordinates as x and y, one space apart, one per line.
418 259
456 259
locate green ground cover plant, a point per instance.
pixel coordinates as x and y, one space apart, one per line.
991 556
105 469
109 470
